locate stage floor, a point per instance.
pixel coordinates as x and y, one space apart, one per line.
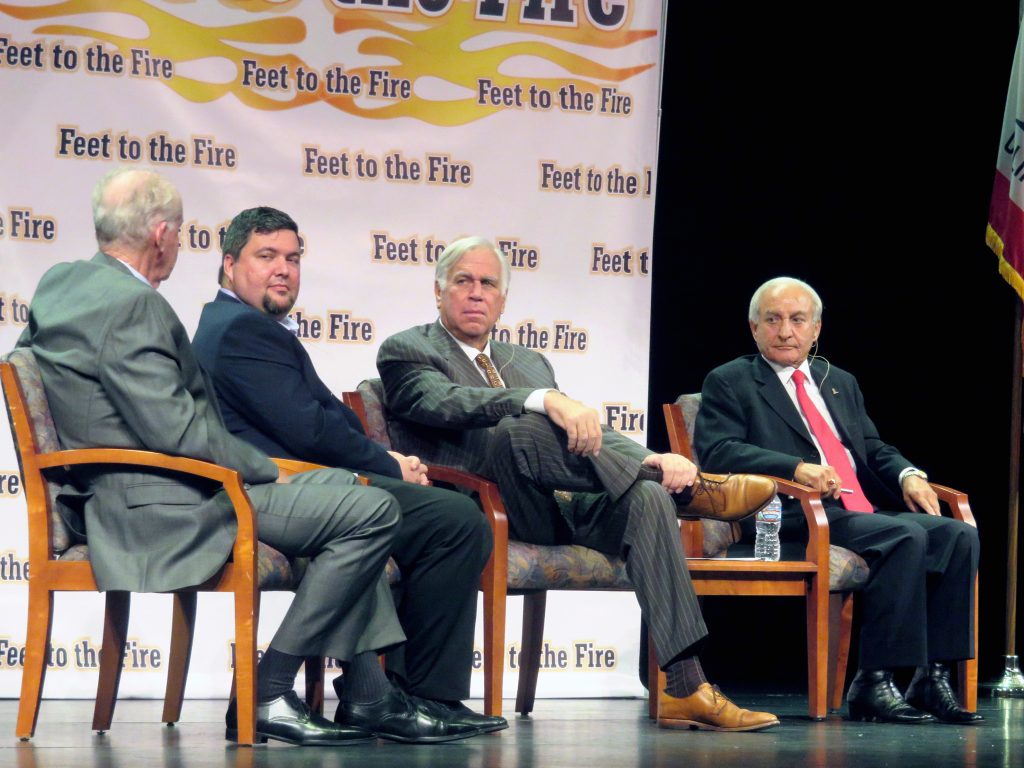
577 733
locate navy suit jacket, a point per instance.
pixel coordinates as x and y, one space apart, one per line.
270 394
748 423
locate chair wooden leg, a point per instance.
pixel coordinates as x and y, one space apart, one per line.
840 628
529 656
817 649
115 632
494 581
653 681
967 670
246 621
37 642
183 627
315 683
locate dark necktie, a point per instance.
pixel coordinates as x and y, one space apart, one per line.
492 375
835 453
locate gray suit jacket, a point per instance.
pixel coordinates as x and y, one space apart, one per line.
439 407
119 372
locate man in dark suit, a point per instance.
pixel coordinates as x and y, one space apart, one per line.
458 398
119 371
781 414
271 396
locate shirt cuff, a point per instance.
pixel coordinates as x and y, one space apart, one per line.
911 471
535 401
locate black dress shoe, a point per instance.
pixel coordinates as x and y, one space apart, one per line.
457 712
400 717
931 693
874 696
288 719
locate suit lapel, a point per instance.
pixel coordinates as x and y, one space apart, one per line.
771 389
463 371
841 407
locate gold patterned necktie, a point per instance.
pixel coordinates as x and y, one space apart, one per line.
492 375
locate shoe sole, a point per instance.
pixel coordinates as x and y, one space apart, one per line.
493 728
695 725
427 739
734 518
261 738
860 717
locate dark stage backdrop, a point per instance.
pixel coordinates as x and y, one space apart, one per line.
853 146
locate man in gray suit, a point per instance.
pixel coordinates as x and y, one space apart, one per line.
119 371
455 397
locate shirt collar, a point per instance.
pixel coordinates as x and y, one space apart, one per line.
470 352
135 272
290 323
785 372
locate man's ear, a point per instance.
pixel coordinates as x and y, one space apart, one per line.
159 231
228 263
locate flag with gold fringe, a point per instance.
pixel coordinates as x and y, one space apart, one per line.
1005 231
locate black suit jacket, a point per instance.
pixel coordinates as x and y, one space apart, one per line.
747 423
270 394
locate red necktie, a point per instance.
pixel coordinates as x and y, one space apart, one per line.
835 453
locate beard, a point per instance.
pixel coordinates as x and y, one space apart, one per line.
277 308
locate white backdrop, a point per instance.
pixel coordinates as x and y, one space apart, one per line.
385 133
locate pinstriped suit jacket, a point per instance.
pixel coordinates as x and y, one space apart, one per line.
439 407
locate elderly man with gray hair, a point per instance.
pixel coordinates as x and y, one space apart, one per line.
790 413
458 398
119 371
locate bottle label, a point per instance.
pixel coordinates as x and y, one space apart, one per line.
769 515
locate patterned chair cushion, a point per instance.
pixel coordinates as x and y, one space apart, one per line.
276 572
373 401
24 362
532 566
846 570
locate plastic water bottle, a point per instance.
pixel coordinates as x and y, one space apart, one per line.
768 522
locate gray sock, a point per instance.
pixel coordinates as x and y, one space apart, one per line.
684 677
364 681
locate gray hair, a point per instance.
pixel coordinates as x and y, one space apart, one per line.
777 283
127 202
456 250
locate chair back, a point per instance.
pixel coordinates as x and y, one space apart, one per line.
34 433
681 418
368 403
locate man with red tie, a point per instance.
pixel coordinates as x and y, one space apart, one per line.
780 413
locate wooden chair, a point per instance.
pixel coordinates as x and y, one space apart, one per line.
515 568
58 564
828 644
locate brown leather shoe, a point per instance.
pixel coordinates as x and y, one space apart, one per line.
726 497
709 710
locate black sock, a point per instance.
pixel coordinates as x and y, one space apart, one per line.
683 677
364 681
276 674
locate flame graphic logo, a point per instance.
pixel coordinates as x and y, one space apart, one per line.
442 57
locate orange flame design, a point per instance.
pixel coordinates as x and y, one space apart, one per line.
423 46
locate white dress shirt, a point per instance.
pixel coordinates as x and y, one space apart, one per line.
785 374
535 400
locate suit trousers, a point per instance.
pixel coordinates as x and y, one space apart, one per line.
612 512
918 604
441 547
342 606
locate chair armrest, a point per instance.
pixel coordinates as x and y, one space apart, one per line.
814 513
294 467
245 543
957 503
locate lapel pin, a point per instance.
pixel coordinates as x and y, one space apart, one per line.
835 391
